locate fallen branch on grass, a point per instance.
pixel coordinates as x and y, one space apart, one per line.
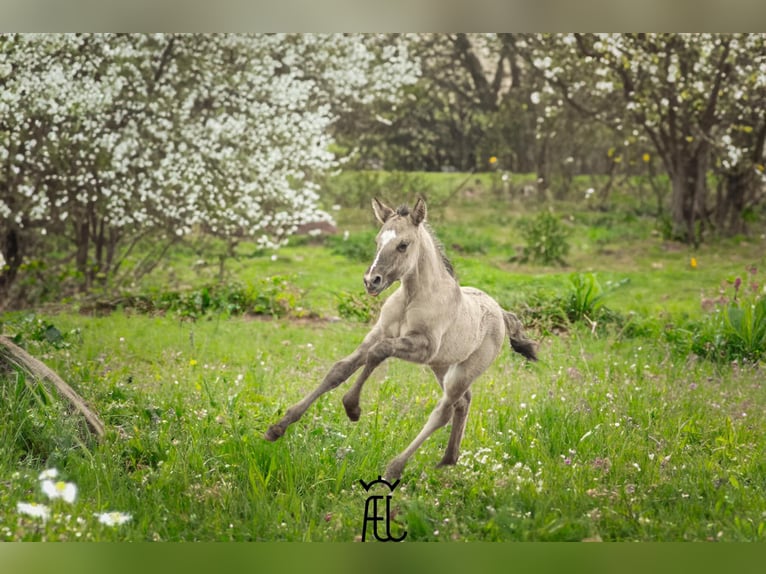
41 371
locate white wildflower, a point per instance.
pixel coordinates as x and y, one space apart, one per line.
113 518
60 489
33 509
48 473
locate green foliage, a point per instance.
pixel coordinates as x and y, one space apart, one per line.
359 247
272 296
464 239
34 333
553 451
355 308
357 188
581 303
586 297
735 329
546 240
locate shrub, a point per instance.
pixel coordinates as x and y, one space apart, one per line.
734 329
359 247
586 298
546 240
271 296
355 308
582 303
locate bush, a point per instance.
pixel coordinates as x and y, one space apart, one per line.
35 334
272 296
546 240
464 239
586 298
355 308
735 328
359 247
582 303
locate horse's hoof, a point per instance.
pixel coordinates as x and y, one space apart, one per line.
353 411
273 433
353 414
394 471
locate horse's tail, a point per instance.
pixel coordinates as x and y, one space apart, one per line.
519 341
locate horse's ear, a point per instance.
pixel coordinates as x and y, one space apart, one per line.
382 212
418 214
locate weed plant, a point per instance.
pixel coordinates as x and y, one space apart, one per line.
735 326
546 240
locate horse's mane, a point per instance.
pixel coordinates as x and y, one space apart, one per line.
404 211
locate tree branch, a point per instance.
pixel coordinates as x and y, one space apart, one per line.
15 354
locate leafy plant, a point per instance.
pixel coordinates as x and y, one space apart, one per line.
31 330
355 308
586 297
358 247
546 240
736 327
271 296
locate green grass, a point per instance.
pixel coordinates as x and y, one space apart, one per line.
609 436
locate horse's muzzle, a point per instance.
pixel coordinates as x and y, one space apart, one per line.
374 284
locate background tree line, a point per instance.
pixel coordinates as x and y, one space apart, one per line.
690 106
107 141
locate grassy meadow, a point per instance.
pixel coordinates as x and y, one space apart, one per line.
623 431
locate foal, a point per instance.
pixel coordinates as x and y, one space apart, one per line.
456 331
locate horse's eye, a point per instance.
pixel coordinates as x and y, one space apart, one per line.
402 247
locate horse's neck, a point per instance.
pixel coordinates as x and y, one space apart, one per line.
429 277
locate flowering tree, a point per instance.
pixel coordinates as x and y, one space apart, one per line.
696 98
106 139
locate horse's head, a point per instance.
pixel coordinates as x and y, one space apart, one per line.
398 242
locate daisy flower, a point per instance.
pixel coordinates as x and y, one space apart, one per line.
113 518
48 474
60 489
33 509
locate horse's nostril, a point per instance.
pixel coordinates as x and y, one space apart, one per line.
373 282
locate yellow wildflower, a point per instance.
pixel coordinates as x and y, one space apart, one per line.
693 262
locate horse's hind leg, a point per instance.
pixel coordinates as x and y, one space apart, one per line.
456 383
459 419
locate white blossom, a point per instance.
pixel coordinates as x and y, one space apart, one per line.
224 133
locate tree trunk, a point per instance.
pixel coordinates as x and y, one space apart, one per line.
543 170
13 255
689 195
82 230
732 202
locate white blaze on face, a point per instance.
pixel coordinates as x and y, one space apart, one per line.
385 238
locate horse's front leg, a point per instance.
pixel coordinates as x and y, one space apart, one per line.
351 398
413 348
338 373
